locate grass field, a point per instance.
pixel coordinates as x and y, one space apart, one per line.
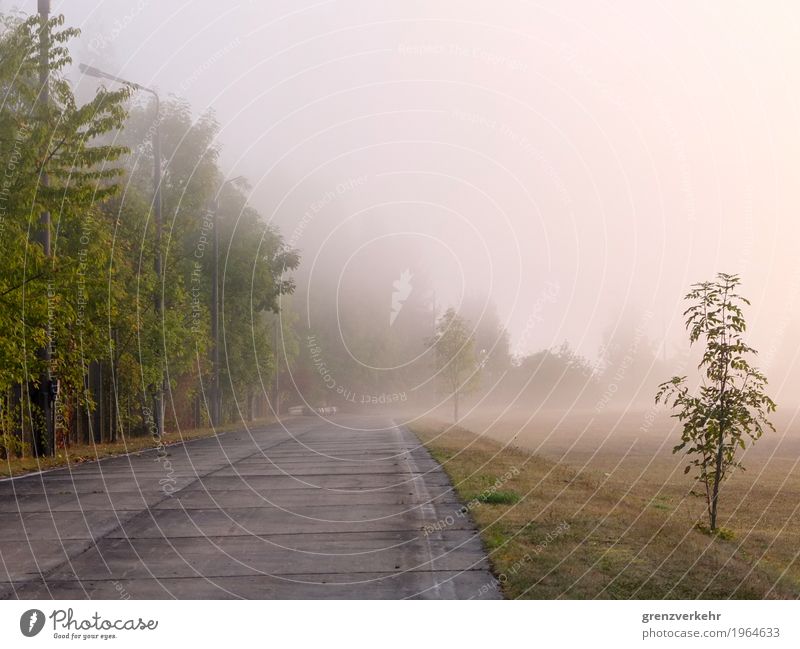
598 507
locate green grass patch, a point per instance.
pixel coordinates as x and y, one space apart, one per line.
721 532
661 503
498 498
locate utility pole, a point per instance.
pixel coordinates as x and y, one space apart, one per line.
45 392
160 387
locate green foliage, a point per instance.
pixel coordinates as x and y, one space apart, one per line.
44 299
730 406
491 338
457 365
93 299
498 498
722 533
286 349
10 446
254 263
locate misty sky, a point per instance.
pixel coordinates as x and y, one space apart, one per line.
575 161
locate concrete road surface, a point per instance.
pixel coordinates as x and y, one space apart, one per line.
307 509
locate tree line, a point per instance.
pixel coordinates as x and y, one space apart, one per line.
79 289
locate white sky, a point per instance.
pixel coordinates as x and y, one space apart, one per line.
618 151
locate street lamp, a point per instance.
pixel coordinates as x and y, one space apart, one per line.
216 394
158 398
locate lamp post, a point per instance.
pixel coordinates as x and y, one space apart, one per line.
216 394
158 397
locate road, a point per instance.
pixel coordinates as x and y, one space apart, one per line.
304 509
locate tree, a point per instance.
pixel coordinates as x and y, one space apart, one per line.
50 300
454 353
254 262
91 300
730 404
370 330
491 337
256 271
285 352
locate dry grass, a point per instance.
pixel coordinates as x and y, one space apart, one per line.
93 452
592 533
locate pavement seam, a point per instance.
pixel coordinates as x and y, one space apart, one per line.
147 510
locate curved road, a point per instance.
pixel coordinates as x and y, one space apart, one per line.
307 509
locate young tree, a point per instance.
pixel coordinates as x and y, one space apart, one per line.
730 404
454 353
491 337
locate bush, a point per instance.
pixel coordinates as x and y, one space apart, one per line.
10 445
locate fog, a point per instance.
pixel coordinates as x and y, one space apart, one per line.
573 168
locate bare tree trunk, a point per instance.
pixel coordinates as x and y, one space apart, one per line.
22 407
719 458
96 388
455 406
15 411
722 427
717 479
111 405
